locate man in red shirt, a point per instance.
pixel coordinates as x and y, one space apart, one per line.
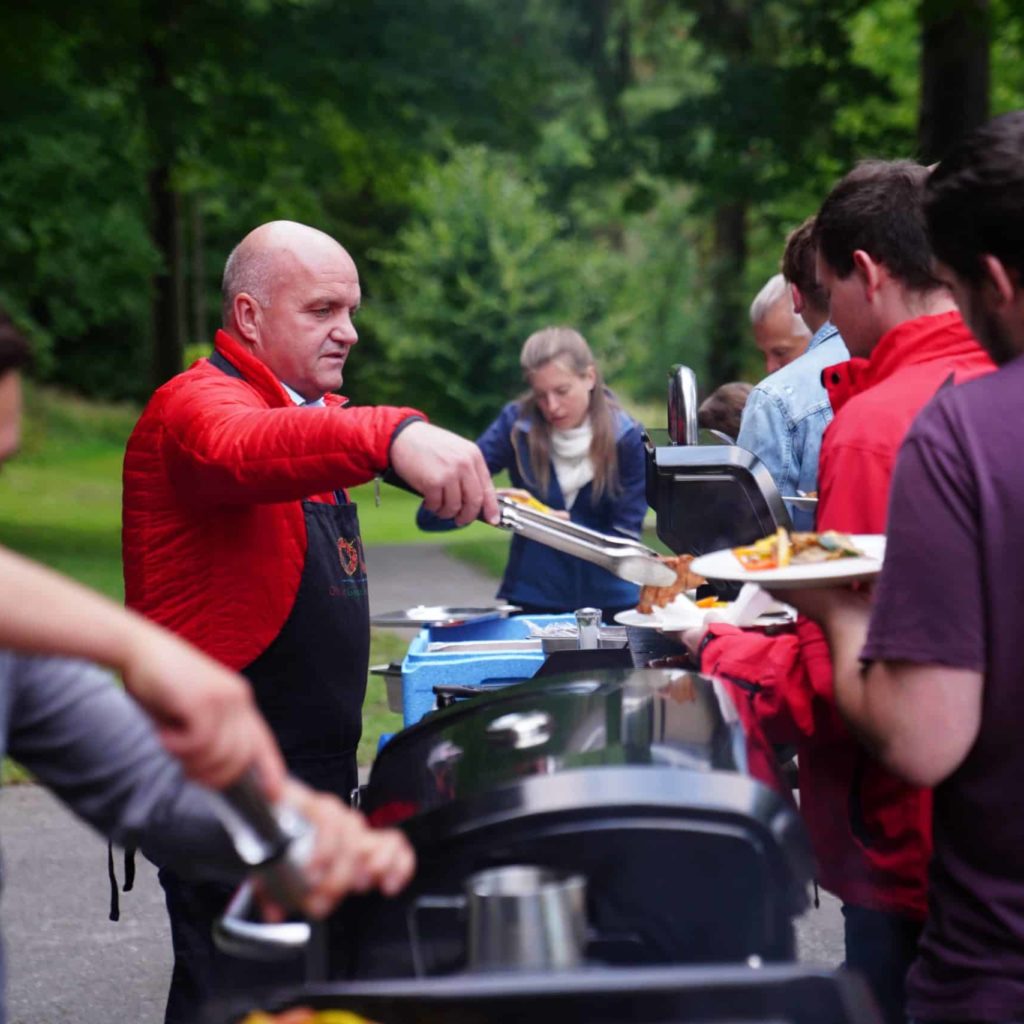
240 536
871 832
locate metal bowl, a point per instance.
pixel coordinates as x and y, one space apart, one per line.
392 683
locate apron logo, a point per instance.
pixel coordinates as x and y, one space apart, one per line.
348 555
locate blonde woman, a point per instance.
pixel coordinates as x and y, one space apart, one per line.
567 443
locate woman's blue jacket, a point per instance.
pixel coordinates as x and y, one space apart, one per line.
537 575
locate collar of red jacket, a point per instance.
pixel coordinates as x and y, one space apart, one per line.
258 374
921 340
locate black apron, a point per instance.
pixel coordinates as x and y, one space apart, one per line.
311 680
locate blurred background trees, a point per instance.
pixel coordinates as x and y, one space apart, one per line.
628 166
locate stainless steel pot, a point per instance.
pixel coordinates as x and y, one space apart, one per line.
520 917
392 674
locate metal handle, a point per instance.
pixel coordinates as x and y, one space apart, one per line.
682 406
276 842
427 902
559 538
513 513
236 934
631 562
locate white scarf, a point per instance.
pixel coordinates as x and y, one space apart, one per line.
570 455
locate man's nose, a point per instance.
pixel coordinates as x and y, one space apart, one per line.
345 332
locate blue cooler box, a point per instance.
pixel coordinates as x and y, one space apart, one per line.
423 669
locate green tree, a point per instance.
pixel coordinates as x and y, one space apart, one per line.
954 72
480 266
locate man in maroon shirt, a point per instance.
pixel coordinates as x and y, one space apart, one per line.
938 694
871 832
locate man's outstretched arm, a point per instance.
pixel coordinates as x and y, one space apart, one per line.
919 720
204 713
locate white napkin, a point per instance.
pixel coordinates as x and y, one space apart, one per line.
751 603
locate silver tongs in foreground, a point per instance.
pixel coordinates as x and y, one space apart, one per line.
274 842
628 559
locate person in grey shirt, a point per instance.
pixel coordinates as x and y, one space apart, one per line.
82 737
786 414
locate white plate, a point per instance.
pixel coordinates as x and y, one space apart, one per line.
631 617
805 504
681 613
724 565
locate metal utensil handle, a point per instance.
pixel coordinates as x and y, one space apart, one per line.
426 902
237 935
608 556
276 842
578 546
246 799
568 527
682 406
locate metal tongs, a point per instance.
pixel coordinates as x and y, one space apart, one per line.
274 842
621 556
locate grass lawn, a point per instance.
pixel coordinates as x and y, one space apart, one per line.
60 503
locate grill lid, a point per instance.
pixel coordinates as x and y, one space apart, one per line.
558 724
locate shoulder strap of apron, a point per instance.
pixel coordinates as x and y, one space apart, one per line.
224 365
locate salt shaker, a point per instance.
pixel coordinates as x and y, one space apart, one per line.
588 623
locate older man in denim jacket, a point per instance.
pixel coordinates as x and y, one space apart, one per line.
786 414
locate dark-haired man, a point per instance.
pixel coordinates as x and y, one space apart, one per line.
787 413
938 695
871 831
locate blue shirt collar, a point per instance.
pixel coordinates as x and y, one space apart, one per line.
823 333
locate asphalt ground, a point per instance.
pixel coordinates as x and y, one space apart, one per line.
68 963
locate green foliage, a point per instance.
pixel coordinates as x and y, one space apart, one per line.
74 251
619 131
481 265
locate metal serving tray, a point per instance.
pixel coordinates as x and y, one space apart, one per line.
440 615
483 646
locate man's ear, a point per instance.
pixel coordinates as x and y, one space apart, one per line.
798 299
869 271
246 312
1002 283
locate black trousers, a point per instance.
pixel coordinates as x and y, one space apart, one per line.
882 946
203 976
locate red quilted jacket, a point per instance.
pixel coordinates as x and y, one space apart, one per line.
871 832
215 472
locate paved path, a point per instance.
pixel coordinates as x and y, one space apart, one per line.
68 963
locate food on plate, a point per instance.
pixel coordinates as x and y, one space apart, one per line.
304 1015
524 498
659 597
711 602
783 548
